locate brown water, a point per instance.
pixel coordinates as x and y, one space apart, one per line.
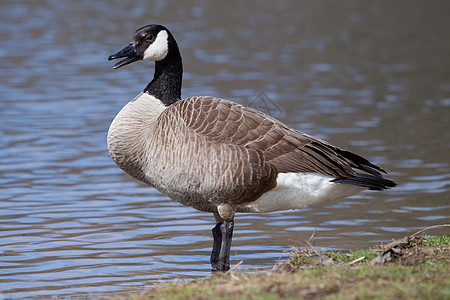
371 77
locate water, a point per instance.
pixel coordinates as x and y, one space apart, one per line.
369 77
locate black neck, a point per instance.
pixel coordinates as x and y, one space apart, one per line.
166 83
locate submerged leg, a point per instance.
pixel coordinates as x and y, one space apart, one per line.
217 236
226 230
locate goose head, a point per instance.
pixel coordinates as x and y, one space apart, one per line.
150 42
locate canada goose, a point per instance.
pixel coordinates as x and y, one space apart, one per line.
219 156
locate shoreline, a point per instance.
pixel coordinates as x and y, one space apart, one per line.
414 267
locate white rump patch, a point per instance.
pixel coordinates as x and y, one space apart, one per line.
298 190
159 48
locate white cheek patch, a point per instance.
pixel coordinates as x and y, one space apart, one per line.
159 48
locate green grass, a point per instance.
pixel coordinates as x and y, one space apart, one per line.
362 255
436 241
420 272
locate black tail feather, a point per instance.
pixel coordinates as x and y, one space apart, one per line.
373 182
362 163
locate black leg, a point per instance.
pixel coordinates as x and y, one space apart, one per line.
217 236
226 229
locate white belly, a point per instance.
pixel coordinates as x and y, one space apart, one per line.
298 190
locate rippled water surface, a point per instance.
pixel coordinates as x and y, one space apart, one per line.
371 77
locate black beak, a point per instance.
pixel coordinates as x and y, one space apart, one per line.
129 54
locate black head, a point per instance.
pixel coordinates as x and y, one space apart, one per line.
150 42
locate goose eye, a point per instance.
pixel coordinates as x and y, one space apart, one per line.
149 37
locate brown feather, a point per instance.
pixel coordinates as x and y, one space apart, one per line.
288 150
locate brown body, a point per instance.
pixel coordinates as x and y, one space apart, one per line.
204 151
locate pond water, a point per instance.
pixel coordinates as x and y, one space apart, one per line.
372 78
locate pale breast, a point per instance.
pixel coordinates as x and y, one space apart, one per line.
129 133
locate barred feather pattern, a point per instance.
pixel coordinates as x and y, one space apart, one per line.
203 151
